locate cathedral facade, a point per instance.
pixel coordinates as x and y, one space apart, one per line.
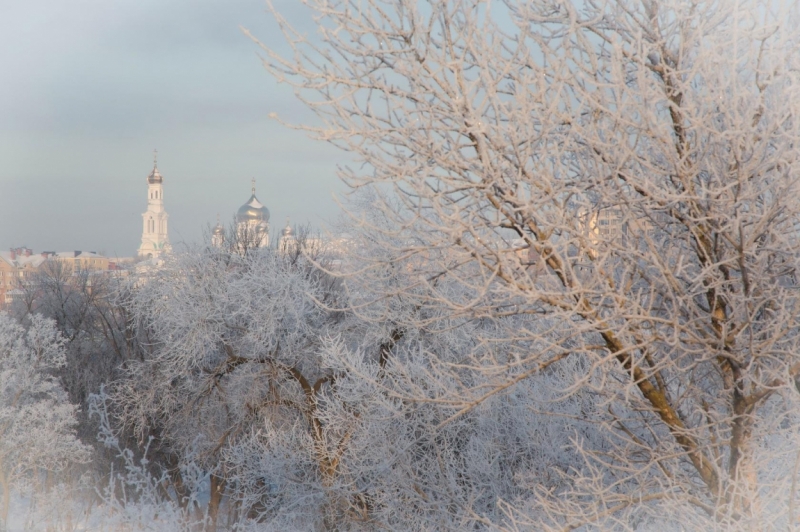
252 223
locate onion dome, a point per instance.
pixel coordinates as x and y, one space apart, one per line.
287 232
155 177
218 229
253 210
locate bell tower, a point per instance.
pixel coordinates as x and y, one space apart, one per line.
155 241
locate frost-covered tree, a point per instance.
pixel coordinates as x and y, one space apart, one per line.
37 421
627 171
85 307
232 339
273 408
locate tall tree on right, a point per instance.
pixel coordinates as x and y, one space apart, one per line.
626 169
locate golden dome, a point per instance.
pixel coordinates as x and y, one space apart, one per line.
253 210
155 177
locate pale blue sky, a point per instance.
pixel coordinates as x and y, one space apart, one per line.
90 87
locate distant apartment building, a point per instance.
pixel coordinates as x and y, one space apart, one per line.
605 223
621 226
17 265
79 260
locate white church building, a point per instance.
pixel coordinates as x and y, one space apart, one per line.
252 222
155 240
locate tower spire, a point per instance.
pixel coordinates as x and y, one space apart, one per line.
253 182
155 158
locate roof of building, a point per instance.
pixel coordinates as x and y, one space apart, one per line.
287 232
20 260
218 229
253 210
76 254
34 260
155 176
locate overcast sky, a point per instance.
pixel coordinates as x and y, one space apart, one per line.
88 88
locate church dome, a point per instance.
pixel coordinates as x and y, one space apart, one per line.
253 210
155 177
218 230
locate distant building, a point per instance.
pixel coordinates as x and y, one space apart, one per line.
288 243
218 235
619 225
605 223
252 231
252 221
79 260
155 240
18 265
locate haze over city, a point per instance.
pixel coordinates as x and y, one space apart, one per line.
91 88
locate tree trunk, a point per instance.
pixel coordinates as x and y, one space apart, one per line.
6 486
217 490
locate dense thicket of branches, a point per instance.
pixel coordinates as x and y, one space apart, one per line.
628 168
233 340
295 409
85 306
